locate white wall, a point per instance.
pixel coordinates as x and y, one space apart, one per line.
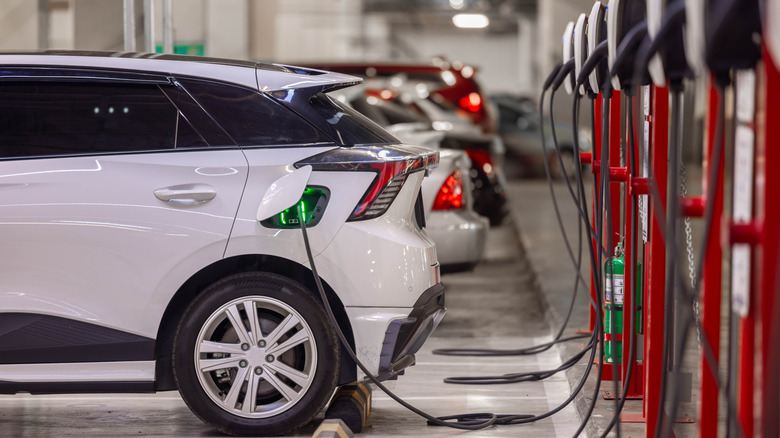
98 24
18 25
227 28
188 21
495 56
318 29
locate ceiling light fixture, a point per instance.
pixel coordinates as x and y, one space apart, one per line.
470 21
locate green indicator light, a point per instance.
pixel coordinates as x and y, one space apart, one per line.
310 207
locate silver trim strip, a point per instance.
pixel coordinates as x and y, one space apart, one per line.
79 372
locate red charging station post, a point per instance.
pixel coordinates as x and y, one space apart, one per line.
768 215
614 204
635 388
594 159
614 161
655 257
618 176
712 273
744 237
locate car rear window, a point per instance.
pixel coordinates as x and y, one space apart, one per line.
252 118
71 118
347 126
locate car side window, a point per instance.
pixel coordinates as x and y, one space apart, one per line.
39 119
252 118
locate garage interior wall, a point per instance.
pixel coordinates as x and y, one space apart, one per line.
300 31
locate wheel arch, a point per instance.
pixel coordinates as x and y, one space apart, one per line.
164 378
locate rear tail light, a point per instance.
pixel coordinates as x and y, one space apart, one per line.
450 194
391 164
482 159
471 102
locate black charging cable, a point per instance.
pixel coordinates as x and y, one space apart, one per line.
595 255
474 421
555 79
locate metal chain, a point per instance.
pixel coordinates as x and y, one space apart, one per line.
691 260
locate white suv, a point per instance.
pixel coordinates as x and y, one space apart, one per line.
150 243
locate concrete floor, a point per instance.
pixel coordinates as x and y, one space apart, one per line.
495 306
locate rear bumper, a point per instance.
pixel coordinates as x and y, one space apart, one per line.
405 336
460 236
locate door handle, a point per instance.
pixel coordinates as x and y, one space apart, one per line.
186 194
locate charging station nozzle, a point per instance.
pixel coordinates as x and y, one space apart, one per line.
675 65
624 60
733 34
596 56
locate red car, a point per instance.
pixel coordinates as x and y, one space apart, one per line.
456 84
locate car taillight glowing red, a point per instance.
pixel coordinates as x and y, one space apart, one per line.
450 194
471 102
483 159
391 177
391 164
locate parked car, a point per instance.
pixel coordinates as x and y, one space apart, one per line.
459 232
452 82
408 109
150 241
520 128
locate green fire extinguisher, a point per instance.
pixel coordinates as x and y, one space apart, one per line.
613 303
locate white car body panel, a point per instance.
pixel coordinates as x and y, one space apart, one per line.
460 234
368 340
391 265
283 193
267 165
74 222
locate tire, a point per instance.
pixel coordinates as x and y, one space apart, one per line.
569 162
292 367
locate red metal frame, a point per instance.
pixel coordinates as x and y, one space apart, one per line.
598 105
711 277
768 213
655 259
617 176
612 162
635 389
